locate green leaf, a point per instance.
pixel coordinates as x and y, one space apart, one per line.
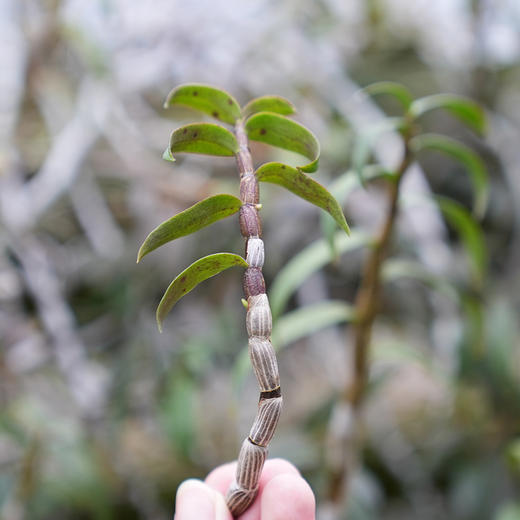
467 157
341 189
303 186
203 138
275 104
365 142
305 321
471 234
510 511
214 102
190 220
391 88
284 133
197 272
464 109
304 264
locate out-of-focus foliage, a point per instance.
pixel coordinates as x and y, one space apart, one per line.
101 416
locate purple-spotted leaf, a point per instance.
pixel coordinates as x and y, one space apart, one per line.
467 157
196 273
190 220
275 104
202 138
303 186
391 88
212 101
466 110
282 132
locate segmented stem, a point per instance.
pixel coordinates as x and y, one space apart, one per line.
259 325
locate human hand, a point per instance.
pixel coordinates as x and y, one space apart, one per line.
282 495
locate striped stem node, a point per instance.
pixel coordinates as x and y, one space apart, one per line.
254 450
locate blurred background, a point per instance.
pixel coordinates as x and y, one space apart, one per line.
101 417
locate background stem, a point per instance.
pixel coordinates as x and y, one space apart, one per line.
348 441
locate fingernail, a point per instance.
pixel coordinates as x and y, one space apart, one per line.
194 500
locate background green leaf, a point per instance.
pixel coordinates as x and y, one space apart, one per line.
203 138
276 104
365 142
391 88
307 320
190 220
464 155
471 234
214 102
464 109
341 189
510 511
197 272
308 261
303 186
282 132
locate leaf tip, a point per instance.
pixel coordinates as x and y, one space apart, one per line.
167 155
141 253
159 322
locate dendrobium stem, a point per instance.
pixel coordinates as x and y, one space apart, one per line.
259 326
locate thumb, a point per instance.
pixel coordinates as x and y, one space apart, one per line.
197 500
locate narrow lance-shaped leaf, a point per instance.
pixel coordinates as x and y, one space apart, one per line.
465 225
467 157
308 261
466 110
190 220
470 233
282 132
341 189
365 142
202 138
308 320
275 104
197 272
212 101
391 88
303 186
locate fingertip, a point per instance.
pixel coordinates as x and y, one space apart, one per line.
194 500
279 466
220 478
288 497
221 509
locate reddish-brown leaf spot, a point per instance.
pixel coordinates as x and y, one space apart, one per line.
183 279
185 130
229 102
195 93
214 113
195 134
262 131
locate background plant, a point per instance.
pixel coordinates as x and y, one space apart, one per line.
82 129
